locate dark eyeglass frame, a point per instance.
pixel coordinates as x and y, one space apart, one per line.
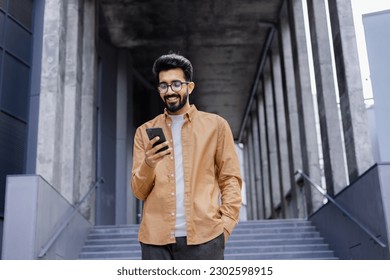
164 91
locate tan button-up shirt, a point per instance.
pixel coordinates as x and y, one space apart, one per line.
212 180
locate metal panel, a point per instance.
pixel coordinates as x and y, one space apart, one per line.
18 41
12 150
3 3
364 201
15 87
1 63
377 33
2 27
21 10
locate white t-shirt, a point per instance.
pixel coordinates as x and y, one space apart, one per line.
177 123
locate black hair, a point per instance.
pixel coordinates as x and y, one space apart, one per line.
172 61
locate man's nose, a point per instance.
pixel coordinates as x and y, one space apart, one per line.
170 90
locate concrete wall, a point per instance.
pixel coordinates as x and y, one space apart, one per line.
367 200
377 33
39 210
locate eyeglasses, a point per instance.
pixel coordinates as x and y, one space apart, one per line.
175 86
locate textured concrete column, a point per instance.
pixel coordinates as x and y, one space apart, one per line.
248 180
295 208
51 98
353 111
268 199
122 135
243 212
252 168
131 126
283 153
271 134
257 167
306 115
67 119
87 151
332 145
70 164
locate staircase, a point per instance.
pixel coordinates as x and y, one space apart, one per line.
277 240
251 240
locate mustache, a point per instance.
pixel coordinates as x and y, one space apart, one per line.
171 95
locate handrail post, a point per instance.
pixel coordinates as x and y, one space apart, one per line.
302 176
67 219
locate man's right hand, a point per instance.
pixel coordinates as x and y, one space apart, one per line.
151 155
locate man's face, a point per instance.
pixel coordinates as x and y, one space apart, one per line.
176 102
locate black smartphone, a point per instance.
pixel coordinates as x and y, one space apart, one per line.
157 131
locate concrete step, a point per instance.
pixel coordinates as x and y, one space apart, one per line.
116 241
275 241
255 236
116 248
276 248
293 255
273 230
110 255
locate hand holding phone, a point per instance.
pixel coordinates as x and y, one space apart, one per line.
154 132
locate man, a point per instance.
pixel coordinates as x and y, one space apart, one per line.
192 190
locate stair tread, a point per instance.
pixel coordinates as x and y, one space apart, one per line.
292 252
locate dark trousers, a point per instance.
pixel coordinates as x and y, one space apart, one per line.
211 250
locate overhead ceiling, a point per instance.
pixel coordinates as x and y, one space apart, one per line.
222 38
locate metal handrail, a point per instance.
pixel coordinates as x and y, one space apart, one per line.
67 219
345 212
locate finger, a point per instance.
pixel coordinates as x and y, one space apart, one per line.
154 140
165 152
160 146
152 158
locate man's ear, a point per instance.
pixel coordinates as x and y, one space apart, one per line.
191 87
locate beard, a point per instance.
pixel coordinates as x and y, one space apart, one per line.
172 108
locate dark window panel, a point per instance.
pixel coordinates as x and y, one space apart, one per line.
3 3
15 87
1 63
18 41
2 20
22 11
12 150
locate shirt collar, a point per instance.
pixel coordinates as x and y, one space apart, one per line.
189 115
